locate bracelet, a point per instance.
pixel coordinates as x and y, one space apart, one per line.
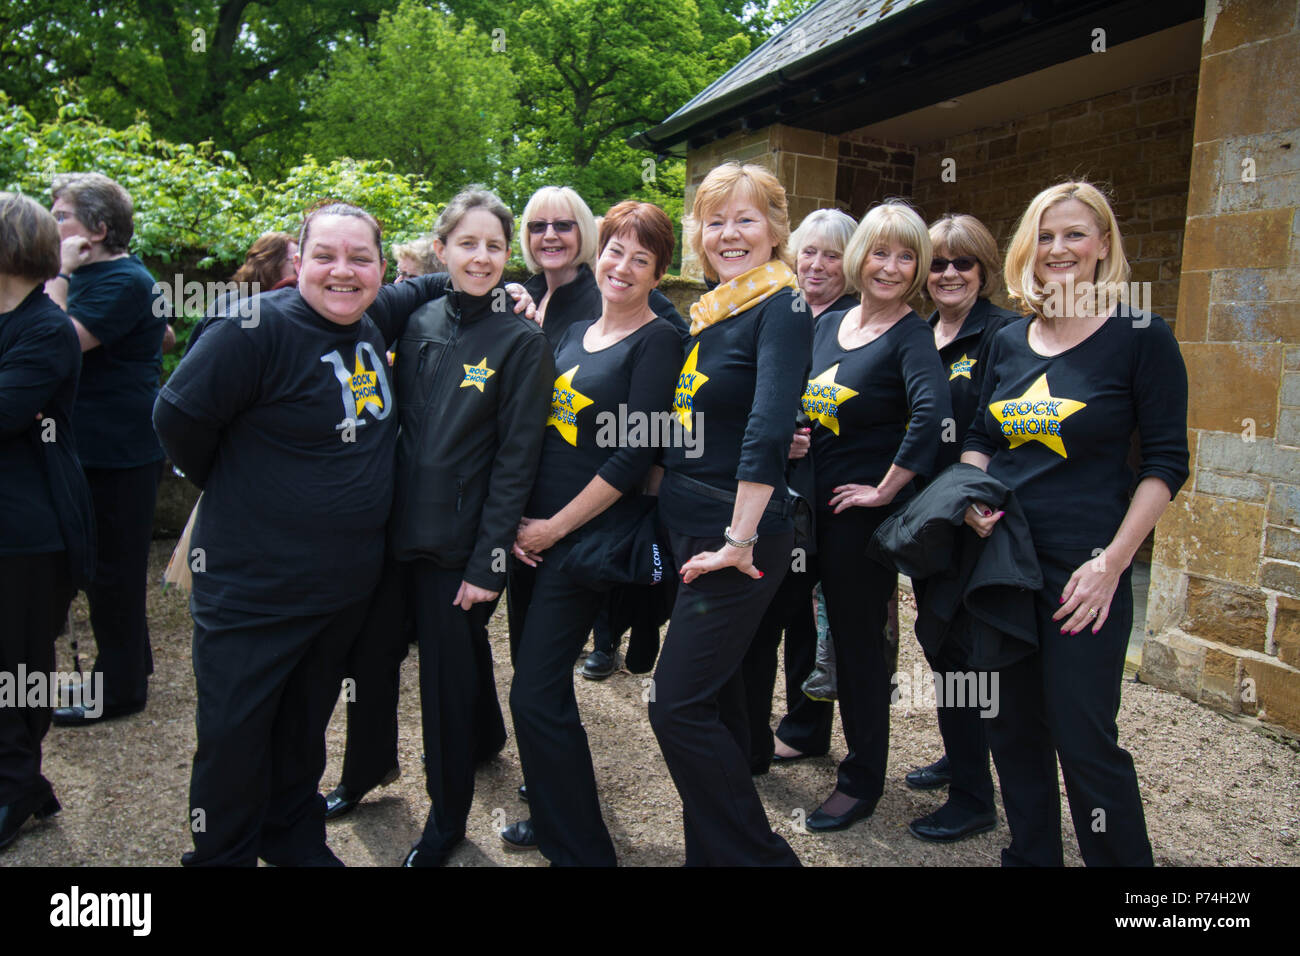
736 542
65 277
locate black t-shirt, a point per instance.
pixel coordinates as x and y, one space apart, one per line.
609 413
115 301
1058 429
964 360
39 360
294 507
738 390
875 405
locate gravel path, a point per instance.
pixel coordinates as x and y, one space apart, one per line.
1217 792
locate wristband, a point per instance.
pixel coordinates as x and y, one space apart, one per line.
736 542
65 277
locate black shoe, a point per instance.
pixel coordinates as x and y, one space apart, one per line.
934 828
777 758
419 857
78 716
341 800
523 792
14 815
932 777
599 665
822 822
519 836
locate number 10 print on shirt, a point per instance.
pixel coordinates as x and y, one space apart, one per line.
364 386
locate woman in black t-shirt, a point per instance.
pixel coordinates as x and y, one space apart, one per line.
878 400
724 503
615 377
558 242
45 513
1064 391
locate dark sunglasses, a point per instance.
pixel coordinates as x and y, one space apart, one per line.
538 226
961 264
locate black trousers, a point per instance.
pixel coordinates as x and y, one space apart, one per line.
458 697
266 687
697 709
807 724
124 501
34 596
553 746
1062 702
857 591
375 663
964 730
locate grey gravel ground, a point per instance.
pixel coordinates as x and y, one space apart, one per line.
1217 792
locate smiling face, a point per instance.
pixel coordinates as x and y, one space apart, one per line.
340 268
887 272
625 271
554 250
475 252
737 237
953 290
1070 244
821 273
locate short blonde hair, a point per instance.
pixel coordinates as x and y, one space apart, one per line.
565 198
959 234
828 228
1112 272
421 250
762 188
893 221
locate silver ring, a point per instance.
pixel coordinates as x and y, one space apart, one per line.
1092 612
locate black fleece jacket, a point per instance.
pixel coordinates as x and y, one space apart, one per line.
473 390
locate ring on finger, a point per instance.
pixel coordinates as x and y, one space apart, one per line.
1092 612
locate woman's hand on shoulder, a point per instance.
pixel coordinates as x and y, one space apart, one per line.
742 559
523 301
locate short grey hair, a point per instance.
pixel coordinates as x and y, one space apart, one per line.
826 228
99 203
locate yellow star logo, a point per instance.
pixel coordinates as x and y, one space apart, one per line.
822 397
688 383
365 387
566 402
961 368
476 375
1035 416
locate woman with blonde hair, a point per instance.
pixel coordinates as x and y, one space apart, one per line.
1066 387
558 242
725 505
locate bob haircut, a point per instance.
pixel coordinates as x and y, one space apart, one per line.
647 224
892 222
265 260
470 198
828 229
760 187
1112 272
957 235
421 250
564 198
29 239
330 207
100 204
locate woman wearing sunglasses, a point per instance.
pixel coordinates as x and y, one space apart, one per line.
559 246
964 272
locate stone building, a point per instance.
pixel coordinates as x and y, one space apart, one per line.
1188 112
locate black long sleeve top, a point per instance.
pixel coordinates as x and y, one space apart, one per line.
1058 428
575 301
608 412
39 362
876 405
737 395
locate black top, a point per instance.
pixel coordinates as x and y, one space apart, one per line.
663 307
1058 429
842 304
875 405
116 302
737 394
964 360
288 426
39 361
609 413
575 301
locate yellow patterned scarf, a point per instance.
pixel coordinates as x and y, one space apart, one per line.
741 293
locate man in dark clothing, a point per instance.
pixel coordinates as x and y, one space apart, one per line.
109 295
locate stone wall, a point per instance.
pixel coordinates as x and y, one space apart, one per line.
871 170
1223 620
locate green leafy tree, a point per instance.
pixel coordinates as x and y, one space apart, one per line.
429 95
